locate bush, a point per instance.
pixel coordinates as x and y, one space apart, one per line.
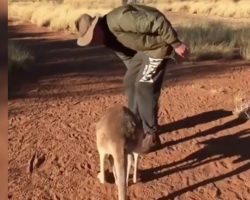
19 59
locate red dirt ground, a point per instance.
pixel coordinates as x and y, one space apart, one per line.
205 152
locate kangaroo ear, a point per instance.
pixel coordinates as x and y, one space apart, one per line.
77 24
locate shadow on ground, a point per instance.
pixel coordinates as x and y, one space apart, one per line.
215 149
196 120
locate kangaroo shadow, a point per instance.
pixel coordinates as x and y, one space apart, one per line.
213 150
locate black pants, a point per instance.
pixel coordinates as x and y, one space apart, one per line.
143 81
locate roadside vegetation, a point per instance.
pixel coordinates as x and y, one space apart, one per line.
19 58
207 40
215 41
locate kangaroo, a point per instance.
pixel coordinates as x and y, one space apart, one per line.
119 134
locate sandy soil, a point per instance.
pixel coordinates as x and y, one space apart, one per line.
205 152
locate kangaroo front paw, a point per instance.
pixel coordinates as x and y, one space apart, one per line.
101 178
134 179
116 182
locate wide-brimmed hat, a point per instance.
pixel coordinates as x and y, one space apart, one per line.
85 25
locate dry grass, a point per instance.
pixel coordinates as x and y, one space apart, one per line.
242 106
206 40
55 15
233 8
60 15
224 8
245 51
243 42
216 40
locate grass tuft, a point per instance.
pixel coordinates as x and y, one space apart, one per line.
243 42
206 41
19 59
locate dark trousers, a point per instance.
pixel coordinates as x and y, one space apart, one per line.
143 81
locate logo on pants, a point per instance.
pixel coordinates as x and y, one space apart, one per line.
150 70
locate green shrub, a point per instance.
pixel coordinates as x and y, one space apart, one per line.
19 58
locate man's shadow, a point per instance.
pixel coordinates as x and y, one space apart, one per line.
213 150
201 118
195 120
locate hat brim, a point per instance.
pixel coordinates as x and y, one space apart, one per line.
88 36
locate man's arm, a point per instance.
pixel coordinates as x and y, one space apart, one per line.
170 36
142 30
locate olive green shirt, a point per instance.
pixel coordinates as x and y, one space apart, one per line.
142 28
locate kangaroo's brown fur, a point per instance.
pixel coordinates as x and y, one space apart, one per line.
119 134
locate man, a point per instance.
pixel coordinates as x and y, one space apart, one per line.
143 38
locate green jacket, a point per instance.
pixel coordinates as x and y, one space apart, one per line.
143 28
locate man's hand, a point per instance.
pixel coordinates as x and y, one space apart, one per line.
182 50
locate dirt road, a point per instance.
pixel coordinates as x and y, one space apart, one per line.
205 152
